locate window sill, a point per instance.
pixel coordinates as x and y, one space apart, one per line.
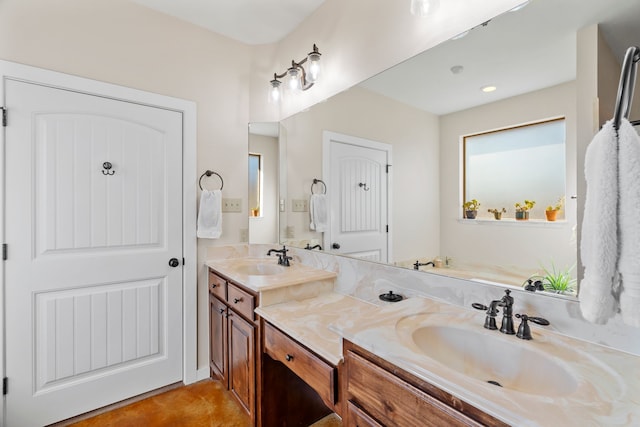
512 222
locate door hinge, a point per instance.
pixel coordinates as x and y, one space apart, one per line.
388 166
387 228
4 251
4 116
182 260
5 385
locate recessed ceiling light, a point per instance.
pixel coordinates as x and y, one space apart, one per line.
457 69
520 6
489 88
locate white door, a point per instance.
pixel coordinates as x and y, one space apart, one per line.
358 196
93 308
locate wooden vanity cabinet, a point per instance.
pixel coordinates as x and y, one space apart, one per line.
378 393
233 334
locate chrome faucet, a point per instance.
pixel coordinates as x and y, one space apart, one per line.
418 264
283 259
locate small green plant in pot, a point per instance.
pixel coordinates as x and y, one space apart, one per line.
522 210
552 210
497 213
558 281
471 208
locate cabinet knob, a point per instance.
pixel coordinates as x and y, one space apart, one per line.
221 310
213 285
237 300
289 357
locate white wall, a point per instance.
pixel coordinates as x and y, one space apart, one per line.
501 243
264 228
123 43
414 136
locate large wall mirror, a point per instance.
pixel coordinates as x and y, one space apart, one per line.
424 107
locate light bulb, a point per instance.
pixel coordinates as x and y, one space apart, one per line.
275 91
294 78
314 65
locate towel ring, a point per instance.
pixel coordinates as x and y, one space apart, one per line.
324 186
209 173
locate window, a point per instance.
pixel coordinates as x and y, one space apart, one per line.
255 184
510 165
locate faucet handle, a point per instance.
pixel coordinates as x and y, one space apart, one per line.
524 331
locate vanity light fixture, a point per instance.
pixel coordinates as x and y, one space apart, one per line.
423 7
489 88
297 77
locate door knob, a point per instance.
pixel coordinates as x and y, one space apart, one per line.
173 262
336 246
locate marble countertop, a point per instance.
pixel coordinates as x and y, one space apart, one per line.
576 383
260 274
307 321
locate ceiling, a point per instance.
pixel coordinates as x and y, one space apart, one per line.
248 21
518 52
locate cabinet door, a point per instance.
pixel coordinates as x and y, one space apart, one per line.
242 360
218 350
358 418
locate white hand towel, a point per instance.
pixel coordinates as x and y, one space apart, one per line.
318 212
629 223
210 214
599 244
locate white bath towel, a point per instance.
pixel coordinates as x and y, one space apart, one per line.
629 223
599 244
210 215
318 212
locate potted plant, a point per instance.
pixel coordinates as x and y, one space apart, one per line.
497 213
471 209
522 210
552 210
558 281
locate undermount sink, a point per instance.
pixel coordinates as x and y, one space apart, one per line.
260 269
497 359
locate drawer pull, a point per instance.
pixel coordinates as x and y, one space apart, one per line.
213 285
237 300
221 310
289 357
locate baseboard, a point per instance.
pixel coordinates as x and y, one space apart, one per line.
202 373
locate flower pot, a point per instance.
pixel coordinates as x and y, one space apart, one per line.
522 216
497 215
470 214
551 215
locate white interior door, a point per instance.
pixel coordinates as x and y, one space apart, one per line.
358 196
93 308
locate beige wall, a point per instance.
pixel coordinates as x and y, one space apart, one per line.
501 243
120 42
415 171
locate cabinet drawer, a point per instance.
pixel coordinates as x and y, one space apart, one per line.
394 402
358 418
217 286
241 301
310 368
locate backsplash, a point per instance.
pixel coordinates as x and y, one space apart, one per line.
367 280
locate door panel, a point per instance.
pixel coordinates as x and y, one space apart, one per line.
92 304
358 197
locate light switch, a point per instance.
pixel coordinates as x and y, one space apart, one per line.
299 205
231 205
